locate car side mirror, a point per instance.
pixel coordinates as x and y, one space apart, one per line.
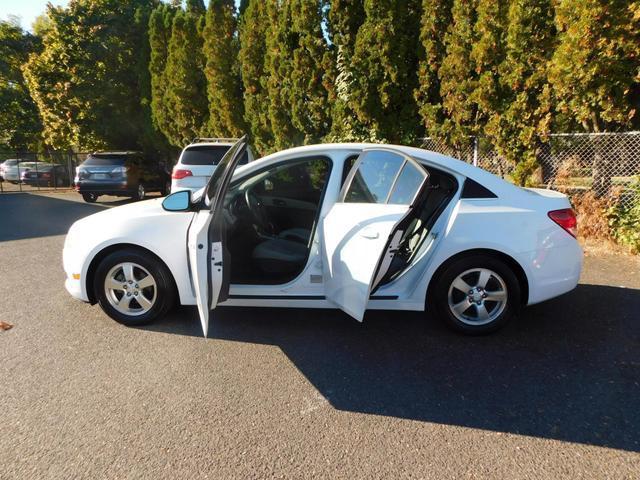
178 201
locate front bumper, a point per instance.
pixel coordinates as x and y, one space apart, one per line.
73 268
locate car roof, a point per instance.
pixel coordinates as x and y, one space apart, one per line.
127 152
210 144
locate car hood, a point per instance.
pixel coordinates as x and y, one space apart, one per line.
117 221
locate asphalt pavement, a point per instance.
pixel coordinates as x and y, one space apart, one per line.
291 393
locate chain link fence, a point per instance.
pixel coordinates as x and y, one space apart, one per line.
29 171
603 163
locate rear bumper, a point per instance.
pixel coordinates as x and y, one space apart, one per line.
117 189
554 271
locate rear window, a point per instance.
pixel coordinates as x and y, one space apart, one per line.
207 155
104 160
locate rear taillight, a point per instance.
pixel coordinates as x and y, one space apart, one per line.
178 174
566 218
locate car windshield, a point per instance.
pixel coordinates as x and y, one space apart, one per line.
204 154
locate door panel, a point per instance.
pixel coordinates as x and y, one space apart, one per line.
200 265
353 241
362 230
206 236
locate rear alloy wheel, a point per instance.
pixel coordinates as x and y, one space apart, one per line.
133 288
477 294
90 197
140 193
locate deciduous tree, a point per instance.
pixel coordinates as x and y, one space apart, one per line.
20 126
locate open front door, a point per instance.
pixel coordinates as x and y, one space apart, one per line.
205 238
362 230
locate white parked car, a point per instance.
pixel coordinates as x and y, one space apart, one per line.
6 165
199 159
13 170
353 226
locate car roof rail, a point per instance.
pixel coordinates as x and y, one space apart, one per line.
215 140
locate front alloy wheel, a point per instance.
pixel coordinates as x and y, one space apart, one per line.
130 289
133 286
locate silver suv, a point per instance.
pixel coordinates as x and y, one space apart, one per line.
199 160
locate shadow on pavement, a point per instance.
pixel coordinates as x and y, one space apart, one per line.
567 369
23 215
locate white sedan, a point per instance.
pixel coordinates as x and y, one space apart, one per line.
351 226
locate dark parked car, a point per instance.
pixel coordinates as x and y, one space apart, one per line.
122 174
46 176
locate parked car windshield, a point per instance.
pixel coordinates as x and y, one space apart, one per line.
207 155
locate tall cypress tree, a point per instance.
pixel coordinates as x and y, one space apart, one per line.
224 87
525 115
436 17
308 96
602 38
185 97
594 70
344 19
196 7
159 33
487 55
385 61
278 66
458 77
253 28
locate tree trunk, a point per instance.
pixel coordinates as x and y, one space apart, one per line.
601 166
546 162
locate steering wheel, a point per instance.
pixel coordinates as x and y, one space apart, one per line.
258 211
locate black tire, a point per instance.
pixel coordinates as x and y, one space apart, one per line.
140 192
165 295
90 197
166 189
470 321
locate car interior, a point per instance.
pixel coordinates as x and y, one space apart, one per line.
440 187
270 219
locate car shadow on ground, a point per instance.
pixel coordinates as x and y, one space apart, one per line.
27 215
567 369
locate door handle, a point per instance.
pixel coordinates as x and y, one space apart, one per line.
278 202
370 234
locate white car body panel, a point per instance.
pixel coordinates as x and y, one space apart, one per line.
515 224
351 253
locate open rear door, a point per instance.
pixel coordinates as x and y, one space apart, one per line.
362 230
205 238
